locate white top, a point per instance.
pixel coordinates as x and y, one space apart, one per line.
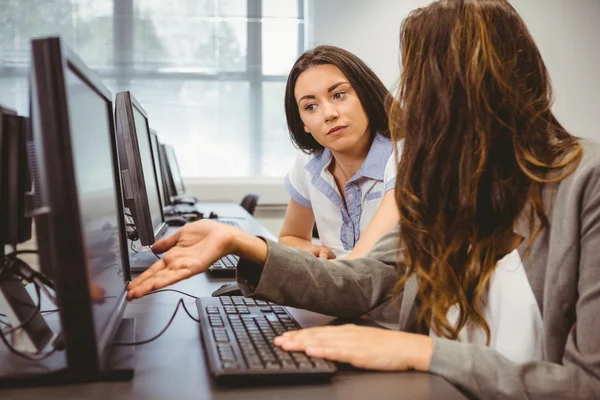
311 185
511 312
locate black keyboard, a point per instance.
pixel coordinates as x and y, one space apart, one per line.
178 209
231 223
237 335
225 267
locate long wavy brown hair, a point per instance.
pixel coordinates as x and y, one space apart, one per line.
480 143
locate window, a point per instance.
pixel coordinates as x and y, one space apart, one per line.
210 73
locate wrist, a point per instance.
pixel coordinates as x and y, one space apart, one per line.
247 246
422 351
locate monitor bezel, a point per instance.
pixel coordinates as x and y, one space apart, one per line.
15 181
168 178
138 203
155 143
170 149
4 111
86 354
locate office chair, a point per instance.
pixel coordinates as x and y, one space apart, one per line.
249 203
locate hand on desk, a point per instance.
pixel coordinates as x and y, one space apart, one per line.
191 250
362 347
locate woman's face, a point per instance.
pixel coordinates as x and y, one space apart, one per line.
331 110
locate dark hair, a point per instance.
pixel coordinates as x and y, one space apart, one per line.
480 144
371 92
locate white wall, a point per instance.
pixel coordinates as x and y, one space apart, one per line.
566 32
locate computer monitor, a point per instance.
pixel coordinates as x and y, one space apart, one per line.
158 166
140 183
82 244
15 182
178 187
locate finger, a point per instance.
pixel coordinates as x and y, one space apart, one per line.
160 280
301 339
165 244
147 274
323 253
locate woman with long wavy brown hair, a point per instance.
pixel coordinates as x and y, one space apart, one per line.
496 265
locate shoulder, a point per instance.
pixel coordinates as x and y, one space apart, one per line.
579 192
587 173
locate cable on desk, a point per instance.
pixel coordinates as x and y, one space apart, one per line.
157 256
159 334
174 290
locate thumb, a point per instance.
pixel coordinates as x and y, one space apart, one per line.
165 244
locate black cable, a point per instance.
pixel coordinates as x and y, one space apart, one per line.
150 247
173 290
24 355
14 253
132 247
187 311
153 338
159 334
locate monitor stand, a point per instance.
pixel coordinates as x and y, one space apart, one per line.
18 372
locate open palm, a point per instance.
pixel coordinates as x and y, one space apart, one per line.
189 251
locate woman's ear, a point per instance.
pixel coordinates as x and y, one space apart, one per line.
306 130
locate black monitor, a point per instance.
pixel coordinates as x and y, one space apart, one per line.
140 183
159 167
174 179
169 186
177 181
15 182
80 222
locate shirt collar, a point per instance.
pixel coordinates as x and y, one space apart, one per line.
373 167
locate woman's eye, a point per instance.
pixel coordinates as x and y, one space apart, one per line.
339 95
309 107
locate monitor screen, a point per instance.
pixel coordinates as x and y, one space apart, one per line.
174 167
97 196
158 168
143 137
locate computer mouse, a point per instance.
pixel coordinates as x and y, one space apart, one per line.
176 221
191 216
229 289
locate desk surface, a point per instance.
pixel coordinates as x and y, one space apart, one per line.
173 366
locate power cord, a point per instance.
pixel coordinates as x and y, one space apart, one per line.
159 334
157 256
14 266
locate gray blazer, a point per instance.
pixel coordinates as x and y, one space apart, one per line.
563 268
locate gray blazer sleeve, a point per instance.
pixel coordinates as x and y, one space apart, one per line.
484 373
341 288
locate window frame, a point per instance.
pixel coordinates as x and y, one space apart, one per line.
123 68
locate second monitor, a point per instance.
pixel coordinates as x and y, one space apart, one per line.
140 182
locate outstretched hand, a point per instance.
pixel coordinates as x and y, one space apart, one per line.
189 251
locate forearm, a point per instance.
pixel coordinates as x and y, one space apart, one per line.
341 288
297 243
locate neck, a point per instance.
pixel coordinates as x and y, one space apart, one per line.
349 162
